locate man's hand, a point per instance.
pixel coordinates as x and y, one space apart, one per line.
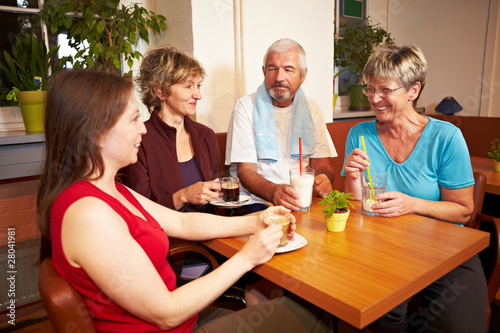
324 175
284 195
322 185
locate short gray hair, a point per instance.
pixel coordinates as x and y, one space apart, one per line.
286 45
404 64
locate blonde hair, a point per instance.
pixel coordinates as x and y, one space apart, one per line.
163 67
403 64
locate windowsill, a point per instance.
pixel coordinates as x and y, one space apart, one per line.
345 114
10 119
14 137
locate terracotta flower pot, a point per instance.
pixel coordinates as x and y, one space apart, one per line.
337 221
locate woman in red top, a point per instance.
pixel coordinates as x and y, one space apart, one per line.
111 243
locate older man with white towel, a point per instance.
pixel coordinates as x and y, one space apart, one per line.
263 136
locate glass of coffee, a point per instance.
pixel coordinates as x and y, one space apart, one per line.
230 187
281 219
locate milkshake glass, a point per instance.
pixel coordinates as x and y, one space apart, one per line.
303 184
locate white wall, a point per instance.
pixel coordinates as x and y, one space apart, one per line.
217 44
494 88
214 47
453 36
310 23
179 30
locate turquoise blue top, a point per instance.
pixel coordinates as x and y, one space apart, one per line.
440 158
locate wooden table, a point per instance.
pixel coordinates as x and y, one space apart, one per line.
375 264
485 165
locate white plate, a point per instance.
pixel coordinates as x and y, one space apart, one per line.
244 200
297 243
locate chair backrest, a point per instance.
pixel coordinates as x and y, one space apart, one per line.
478 196
338 131
65 308
186 246
490 257
221 141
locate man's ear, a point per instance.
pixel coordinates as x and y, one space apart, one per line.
303 75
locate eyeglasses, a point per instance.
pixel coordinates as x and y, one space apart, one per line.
385 92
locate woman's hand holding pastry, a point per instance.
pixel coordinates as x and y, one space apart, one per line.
261 247
278 210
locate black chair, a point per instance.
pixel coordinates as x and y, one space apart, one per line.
491 255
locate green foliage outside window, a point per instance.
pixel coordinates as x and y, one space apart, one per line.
101 31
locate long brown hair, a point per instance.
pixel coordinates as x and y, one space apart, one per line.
82 105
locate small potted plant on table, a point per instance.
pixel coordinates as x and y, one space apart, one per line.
336 209
495 154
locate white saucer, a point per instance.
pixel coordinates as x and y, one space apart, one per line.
244 200
297 243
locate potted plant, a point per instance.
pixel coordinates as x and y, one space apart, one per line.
27 68
495 154
336 209
351 52
101 31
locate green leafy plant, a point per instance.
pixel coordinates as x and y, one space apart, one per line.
101 31
336 202
12 95
495 150
351 51
29 64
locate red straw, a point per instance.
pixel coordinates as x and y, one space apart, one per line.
300 153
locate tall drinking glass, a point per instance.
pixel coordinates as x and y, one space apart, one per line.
370 188
303 184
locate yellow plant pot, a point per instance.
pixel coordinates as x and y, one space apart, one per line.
337 221
496 165
32 106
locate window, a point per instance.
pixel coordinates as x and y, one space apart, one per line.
349 12
17 18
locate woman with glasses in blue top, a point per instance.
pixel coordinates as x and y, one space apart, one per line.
429 173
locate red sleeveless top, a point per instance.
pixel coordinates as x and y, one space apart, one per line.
107 316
